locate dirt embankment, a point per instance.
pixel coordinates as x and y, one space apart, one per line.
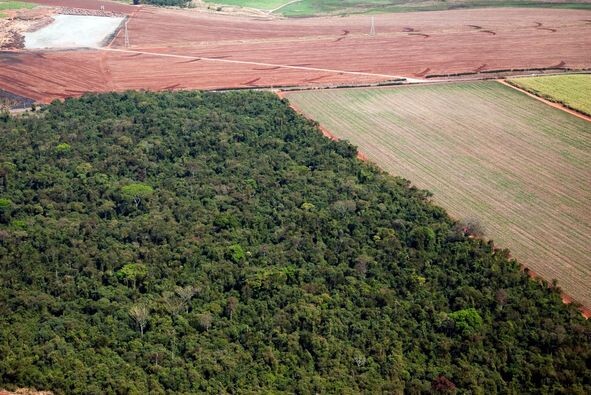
19 22
25 391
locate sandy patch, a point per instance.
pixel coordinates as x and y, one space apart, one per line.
73 31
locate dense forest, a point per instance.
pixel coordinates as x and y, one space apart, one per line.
217 243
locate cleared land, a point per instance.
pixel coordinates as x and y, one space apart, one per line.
73 31
112 6
486 151
211 46
339 7
572 91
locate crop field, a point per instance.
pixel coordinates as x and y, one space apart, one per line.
112 6
486 151
185 49
338 7
572 91
260 4
12 5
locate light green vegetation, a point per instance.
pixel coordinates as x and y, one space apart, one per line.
573 91
486 151
260 4
339 7
12 5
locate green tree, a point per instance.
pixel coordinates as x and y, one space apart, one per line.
5 209
236 253
133 273
136 192
467 321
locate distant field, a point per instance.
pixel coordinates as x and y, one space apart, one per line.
486 151
13 5
260 4
321 7
573 91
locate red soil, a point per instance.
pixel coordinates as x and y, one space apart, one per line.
305 44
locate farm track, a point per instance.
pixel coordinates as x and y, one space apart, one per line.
485 151
335 44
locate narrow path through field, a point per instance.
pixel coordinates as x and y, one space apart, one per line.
283 5
548 102
284 66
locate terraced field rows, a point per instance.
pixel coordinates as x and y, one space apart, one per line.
572 91
485 151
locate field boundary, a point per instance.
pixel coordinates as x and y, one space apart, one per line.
284 66
403 83
554 104
501 71
283 5
584 310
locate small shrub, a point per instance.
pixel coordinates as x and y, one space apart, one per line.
63 148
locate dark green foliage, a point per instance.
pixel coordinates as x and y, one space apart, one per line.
467 321
261 257
176 3
236 253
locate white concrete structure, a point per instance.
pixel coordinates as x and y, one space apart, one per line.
73 31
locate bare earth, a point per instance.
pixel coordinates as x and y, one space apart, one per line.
18 22
73 31
486 151
220 51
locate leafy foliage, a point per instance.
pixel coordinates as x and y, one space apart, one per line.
5 204
177 3
467 321
266 258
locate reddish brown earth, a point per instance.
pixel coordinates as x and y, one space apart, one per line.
208 50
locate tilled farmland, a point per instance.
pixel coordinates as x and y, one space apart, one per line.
486 152
171 49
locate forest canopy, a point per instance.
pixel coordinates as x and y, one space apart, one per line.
199 242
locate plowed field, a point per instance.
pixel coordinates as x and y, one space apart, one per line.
331 50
